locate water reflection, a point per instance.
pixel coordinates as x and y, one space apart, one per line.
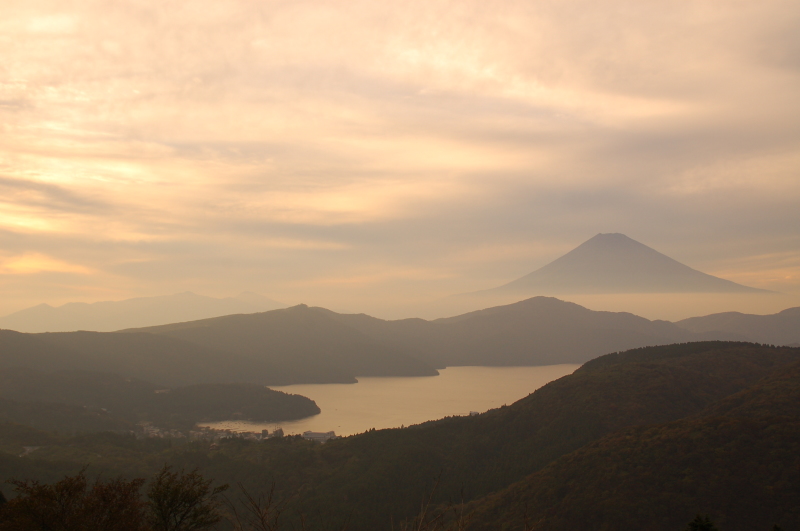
393 402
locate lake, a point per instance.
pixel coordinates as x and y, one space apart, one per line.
380 403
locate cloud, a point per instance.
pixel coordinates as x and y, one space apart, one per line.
285 142
32 263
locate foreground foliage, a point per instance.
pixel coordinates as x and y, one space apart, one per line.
175 501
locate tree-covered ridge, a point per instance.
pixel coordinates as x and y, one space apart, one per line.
744 472
89 401
737 460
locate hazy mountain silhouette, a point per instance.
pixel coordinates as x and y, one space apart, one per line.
614 263
163 360
777 329
315 345
536 331
132 313
278 347
301 342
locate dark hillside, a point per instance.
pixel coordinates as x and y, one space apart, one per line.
81 388
743 472
88 401
305 345
732 361
212 402
315 345
273 348
776 395
737 460
536 331
162 360
782 328
66 418
386 470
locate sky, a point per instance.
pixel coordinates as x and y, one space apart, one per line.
363 155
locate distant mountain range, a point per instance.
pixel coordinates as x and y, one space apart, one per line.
605 264
536 331
315 345
546 330
131 313
614 263
782 328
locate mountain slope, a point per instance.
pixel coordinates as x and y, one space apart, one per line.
134 400
614 263
275 348
742 472
302 343
386 471
163 360
736 460
315 345
144 311
777 329
536 331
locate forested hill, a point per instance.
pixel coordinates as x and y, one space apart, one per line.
536 331
477 456
81 401
661 433
274 348
315 345
302 344
737 460
782 328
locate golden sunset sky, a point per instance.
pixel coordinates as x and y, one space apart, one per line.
358 154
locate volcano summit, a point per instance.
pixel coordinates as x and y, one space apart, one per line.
615 263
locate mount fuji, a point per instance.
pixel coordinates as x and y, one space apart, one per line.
615 263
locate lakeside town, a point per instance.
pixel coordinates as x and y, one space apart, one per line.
205 433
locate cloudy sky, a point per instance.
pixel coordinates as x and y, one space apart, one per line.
352 154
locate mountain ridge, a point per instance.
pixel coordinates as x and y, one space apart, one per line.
305 344
536 331
782 328
108 316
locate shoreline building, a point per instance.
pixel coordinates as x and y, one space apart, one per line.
319 436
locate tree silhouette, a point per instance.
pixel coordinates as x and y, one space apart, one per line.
180 501
701 523
73 504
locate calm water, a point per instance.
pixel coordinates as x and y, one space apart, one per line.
392 402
